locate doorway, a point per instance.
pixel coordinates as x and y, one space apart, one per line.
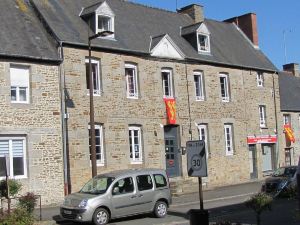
172 151
268 157
253 162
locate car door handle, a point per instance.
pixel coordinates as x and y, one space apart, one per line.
133 196
140 195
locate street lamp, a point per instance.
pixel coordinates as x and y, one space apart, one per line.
92 115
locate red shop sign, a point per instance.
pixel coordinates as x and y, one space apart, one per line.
263 139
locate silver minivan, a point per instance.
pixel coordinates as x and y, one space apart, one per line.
119 194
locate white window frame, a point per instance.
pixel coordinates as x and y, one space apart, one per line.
135 93
10 140
207 43
262 116
169 82
228 140
287 119
111 25
260 79
133 159
226 97
97 91
21 84
101 153
199 86
203 132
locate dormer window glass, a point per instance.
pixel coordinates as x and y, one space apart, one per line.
203 43
104 23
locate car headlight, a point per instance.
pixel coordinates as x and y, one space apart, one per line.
83 203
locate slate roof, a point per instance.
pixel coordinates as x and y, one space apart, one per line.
22 34
135 24
289 88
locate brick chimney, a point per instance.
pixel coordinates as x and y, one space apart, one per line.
247 23
195 11
293 68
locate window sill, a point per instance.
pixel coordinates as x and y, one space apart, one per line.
136 162
130 97
263 127
200 100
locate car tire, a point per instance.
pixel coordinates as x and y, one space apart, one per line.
101 216
160 209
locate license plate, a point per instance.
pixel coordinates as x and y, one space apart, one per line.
67 212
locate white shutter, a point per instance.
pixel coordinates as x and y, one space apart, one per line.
4 148
19 76
17 148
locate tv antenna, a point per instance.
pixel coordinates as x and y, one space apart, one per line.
284 44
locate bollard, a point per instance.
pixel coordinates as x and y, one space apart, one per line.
198 217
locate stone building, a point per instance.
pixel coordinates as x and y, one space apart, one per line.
224 88
160 79
289 86
30 115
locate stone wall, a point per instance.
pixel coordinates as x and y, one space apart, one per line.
115 111
40 122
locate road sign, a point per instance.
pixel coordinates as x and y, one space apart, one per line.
196 159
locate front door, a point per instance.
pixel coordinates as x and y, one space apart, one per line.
172 151
267 158
253 161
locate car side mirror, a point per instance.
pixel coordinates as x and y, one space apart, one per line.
116 190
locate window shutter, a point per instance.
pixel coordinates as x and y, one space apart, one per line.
19 76
17 148
4 148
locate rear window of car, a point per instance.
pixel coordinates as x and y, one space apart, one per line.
160 180
144 182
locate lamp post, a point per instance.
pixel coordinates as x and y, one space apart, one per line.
92 114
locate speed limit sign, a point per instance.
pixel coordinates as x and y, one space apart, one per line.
196 159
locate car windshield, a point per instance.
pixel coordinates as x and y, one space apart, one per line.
97 185
284 172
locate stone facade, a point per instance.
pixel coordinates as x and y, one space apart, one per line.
39 121
116 112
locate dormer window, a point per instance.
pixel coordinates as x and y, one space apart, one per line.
203 43
100 17
104 23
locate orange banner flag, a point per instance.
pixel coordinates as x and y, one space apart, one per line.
171 110
289 133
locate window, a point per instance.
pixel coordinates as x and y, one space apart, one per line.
287 119
123 186
135 144
260 80
144 182
131 81
160 180
262 116
203 135
15 148
203 43
95 74
228 139
105 23
99 144
199 87
167 80
224 87
19 83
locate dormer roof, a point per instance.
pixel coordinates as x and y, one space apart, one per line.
98 8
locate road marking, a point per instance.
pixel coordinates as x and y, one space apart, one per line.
213 200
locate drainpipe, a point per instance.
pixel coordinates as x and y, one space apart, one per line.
276 122
64 119
189 106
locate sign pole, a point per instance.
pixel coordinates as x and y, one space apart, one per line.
200 193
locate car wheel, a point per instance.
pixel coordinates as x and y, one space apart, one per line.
101 216
160 209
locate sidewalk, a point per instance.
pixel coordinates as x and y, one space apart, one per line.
208 195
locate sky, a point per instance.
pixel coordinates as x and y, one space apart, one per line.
278 22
